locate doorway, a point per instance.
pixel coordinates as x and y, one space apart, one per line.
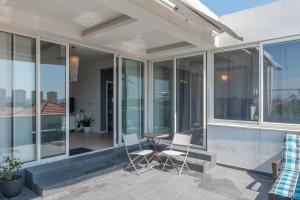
132 97
91 129
109 106
179 97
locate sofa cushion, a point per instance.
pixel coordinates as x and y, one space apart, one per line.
285 185
291 153
297 190
292 141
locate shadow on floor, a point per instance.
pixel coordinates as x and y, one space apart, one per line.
25 195
260 185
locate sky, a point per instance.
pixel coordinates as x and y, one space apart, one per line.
223 7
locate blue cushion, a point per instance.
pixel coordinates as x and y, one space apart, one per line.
291 153
285 185
297 190
292 141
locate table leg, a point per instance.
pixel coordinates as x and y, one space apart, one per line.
155 148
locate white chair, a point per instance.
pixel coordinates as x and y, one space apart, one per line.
182 140
136 157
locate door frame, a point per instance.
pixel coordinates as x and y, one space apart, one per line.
99 85
119 93
174 58
106 98
38 100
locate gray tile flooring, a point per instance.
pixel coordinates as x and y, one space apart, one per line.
219 183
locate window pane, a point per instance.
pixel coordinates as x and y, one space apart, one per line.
236 83
282 82
163 97
24 98
17 96
190 97
53 96
132 97
116 100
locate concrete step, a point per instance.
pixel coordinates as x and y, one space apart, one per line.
59 184
205 158
199 160
50 178
53 177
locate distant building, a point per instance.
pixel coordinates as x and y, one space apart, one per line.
20 98
52 97
2 98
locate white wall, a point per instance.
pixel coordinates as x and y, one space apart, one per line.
248 148
275 20
87 89
253 148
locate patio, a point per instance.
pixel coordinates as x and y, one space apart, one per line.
140 67
218 183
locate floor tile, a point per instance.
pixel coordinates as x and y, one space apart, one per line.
220 183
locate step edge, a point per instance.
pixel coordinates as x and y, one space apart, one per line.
69 184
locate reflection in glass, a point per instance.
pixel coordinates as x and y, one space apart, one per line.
132 97
116 81
163 121
17 96
282 82
189 82
236 83
53 97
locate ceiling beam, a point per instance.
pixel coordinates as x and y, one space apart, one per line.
185 9
172 17
107 26
170 47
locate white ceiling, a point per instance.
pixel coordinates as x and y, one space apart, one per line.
145 41
66 19
153 39
90 54
80 13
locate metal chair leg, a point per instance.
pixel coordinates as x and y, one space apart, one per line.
187 166
130 163
173 165
179 173
165 163
183 164
128 166
148 163
137 171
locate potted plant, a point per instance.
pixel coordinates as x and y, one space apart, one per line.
86 123
11 184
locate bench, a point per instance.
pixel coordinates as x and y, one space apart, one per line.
286 171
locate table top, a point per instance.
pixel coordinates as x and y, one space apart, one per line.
157 135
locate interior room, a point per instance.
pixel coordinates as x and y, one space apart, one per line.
91 100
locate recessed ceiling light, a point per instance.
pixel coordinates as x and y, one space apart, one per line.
224 77
3 2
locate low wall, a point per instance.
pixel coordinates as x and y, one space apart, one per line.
249 148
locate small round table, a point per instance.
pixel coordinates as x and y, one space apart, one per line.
156 137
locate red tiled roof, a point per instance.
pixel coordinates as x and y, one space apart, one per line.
52 108
47 108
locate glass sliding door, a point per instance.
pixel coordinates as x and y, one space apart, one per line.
53 99
116 100
236 78
132 97
24 98
17 96
281 86
163 94
190 97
